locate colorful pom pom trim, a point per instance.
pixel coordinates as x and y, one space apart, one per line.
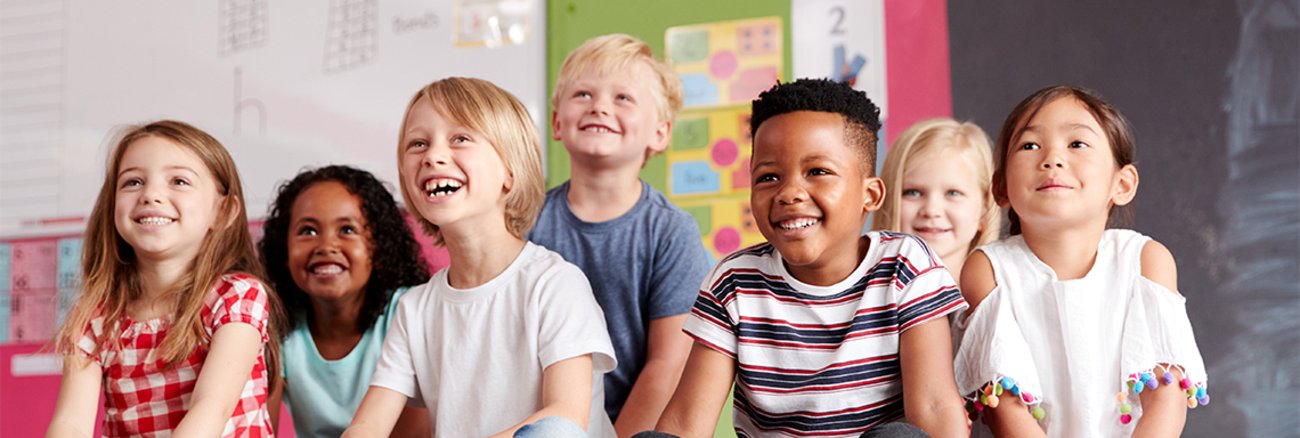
1148 380
989 396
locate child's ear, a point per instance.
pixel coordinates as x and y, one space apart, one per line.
873 193
509 183
555 126
1126 185
663 133
229 208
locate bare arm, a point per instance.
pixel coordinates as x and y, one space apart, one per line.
930 390
566 392
413 423
378 413
694 408
666 353
1011 418
235 348
1164 409
74 414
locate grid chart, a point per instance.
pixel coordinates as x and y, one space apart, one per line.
351 34
243 24
33 42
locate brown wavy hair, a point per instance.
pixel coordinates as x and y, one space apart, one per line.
109 266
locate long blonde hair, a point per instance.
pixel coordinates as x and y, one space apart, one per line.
941 134
498 115
108 263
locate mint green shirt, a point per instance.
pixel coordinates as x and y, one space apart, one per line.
324 394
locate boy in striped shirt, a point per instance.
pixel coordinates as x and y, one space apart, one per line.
822 329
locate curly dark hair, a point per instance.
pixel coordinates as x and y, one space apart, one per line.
861 116
395 255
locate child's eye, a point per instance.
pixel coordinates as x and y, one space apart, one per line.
911 193
461 139
954 193
180 181
766 177
348 229
1029 146
306 231
1078 144
132 182
582 94
417 144
818 171
624 97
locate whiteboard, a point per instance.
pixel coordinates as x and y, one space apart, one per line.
282 84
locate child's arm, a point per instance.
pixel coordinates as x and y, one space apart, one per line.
412 423
234 350
1164 409
930 395
1011 418
694 408
566 392
378 412
74 415
666 351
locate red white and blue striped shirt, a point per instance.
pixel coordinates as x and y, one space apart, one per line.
820 360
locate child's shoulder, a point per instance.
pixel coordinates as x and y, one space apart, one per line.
906 248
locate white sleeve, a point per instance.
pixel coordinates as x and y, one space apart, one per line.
395 370
571 323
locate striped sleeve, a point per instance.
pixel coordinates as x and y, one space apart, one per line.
925 288
710 323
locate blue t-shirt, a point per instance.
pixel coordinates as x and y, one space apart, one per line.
324 394
646 264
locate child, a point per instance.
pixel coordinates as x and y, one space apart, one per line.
1066 312
939 174
614 107
823 330
339 255
173 318
509 333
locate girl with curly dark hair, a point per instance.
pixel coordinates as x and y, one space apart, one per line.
339 254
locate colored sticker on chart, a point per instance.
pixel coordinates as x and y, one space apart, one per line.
33 293
69 280
726 224
726 62
5 250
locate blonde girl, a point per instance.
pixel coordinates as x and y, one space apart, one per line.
509 338
938 175
173 319
1076 329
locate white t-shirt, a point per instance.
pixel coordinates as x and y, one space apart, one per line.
475 357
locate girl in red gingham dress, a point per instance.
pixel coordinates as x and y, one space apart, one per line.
173 320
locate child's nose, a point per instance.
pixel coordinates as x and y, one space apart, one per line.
790 193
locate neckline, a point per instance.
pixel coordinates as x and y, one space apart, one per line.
450 293
602 225
1051 272
858 272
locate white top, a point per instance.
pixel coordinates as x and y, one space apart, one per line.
1073 344
481 351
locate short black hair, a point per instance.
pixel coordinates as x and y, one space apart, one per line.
861 116
394 253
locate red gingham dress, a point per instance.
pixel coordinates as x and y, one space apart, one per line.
145 398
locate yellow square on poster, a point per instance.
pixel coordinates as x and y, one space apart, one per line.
726 62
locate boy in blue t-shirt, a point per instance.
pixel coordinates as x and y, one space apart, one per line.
614 105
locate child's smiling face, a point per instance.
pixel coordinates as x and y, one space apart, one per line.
611 118
167 199
811 194
329 243
456 175
1062 171
941 201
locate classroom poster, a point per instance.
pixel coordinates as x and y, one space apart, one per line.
723 66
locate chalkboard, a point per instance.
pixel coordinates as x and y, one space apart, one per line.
1212 89
283 84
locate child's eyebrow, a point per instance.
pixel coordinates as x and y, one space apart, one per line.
174 167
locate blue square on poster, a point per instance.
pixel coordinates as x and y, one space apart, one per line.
5 251
692 178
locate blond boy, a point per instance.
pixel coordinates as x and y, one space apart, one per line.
614 105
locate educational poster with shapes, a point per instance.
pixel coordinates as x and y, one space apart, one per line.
723 66
728 62
5 251
33 292
69 280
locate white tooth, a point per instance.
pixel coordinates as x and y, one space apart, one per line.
328 269
152 220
